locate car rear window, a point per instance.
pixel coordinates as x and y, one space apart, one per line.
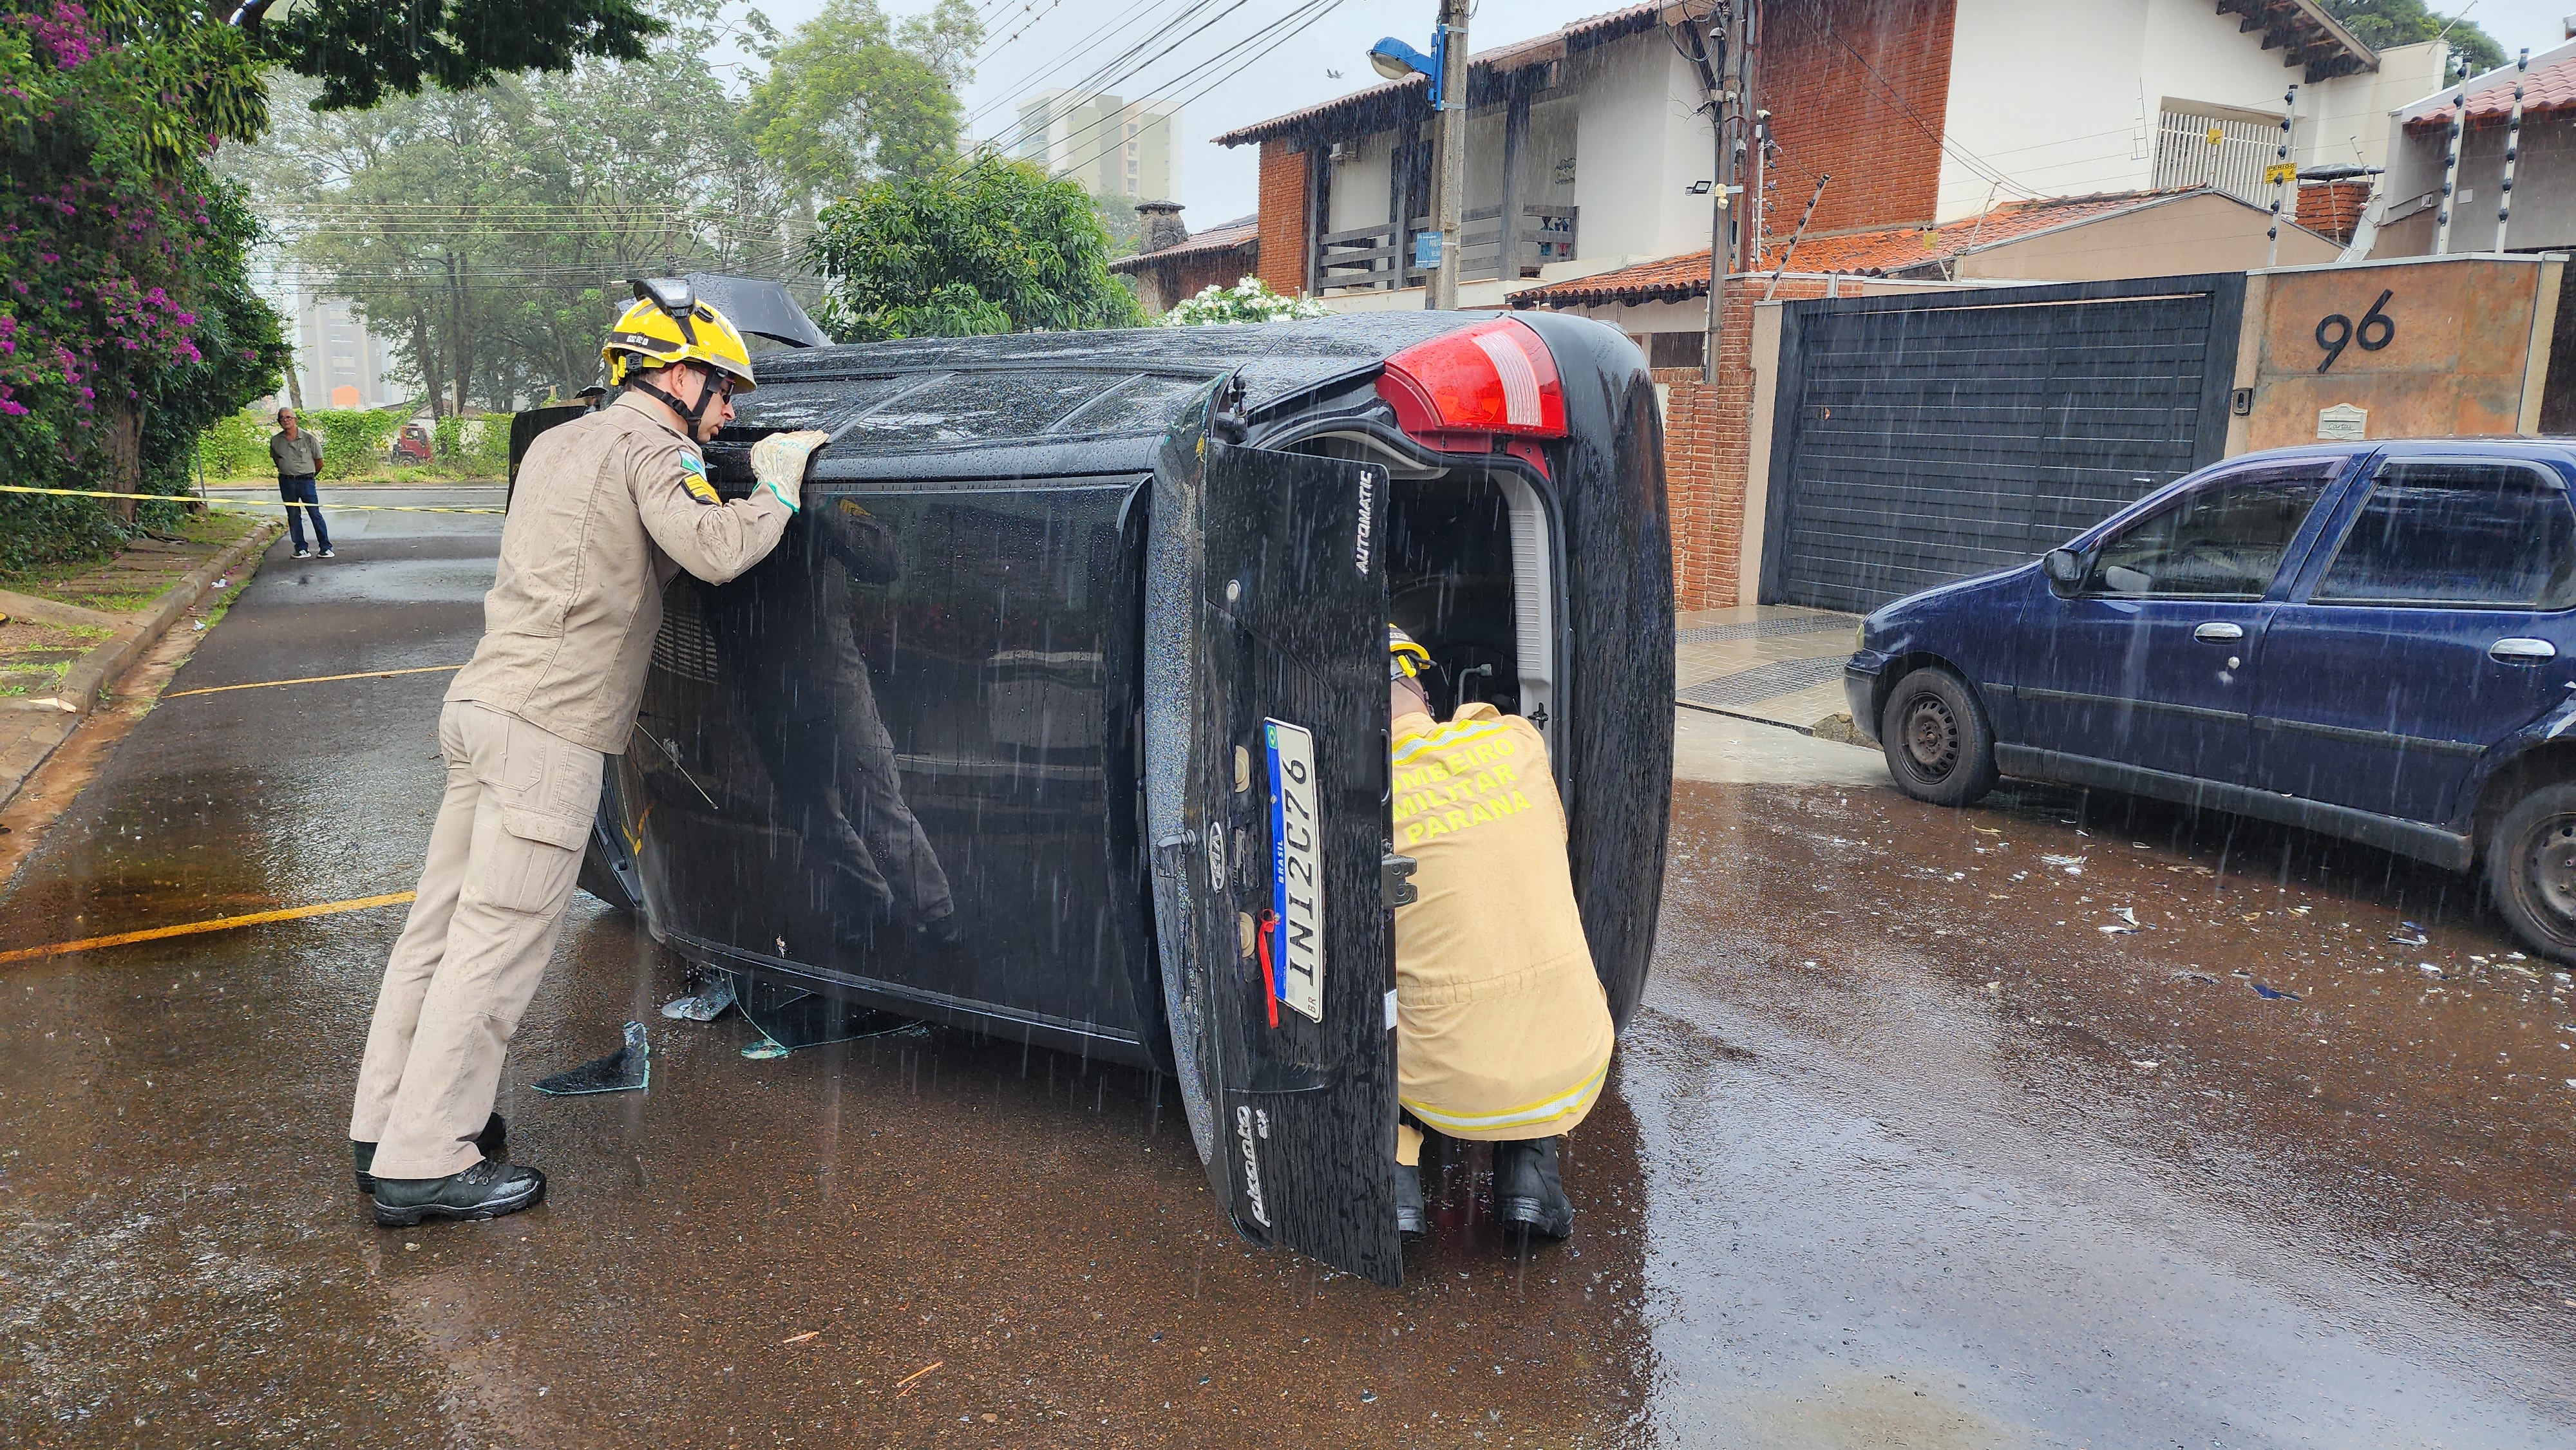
2458 534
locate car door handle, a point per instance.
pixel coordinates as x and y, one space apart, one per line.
2219 631
2521 651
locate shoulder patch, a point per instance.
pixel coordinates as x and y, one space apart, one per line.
693 477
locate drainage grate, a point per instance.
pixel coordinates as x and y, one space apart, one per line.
1780 677
1767 628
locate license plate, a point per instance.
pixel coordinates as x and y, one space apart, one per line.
1296 871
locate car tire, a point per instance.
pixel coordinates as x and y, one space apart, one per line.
1937 741
2531 870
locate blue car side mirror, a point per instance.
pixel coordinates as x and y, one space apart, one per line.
2063 567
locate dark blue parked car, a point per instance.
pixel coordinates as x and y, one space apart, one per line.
2374 641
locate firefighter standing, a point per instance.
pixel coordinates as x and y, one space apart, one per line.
609 507
1503 1033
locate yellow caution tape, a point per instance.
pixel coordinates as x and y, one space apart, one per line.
251 503
314 680
192 928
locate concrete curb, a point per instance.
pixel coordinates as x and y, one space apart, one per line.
93 672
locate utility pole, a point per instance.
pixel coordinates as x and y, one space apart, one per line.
1727 112
1449 168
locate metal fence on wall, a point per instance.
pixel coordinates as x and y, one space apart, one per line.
2186 154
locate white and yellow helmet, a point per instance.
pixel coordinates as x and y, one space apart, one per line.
670 324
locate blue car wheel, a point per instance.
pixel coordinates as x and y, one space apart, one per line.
1936 739
2531 870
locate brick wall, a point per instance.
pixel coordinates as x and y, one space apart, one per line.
1708 439
1858 89
1283 218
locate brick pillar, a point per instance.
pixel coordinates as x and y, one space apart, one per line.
1283 219
1708 445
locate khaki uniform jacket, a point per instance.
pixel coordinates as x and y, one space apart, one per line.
609 508
1502 1029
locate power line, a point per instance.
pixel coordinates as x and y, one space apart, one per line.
1303 19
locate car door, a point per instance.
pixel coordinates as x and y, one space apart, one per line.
2148 661
1266 816
2435 626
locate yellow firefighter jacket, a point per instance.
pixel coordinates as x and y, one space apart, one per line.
609 507
1502 1031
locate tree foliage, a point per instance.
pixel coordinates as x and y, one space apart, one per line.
127 323
362 51
998 247
484 233
852 97
2382 24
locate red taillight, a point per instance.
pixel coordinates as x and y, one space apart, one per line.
1460 390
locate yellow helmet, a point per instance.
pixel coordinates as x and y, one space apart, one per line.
670 324
1404 658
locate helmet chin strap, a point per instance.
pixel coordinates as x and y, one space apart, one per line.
689 414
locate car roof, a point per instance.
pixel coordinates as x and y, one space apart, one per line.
2561 450
1052 404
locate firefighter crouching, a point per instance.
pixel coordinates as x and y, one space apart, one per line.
609 508
1502 1031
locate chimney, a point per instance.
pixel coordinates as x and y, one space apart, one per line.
1162 225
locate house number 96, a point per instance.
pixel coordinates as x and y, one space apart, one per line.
2335 332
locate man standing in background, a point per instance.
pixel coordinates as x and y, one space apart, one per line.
298 456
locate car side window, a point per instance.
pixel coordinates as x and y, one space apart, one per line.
2458 535
2223 540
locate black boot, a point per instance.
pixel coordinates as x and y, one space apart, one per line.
489 1189
493 1142
1527 1190
1410 1218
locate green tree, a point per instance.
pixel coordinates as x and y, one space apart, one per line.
852 97
484 232
998 247
362 51
2382 24
126 321
127 324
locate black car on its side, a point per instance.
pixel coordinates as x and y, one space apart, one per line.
1014 729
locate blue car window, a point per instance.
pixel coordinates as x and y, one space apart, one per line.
2222 540
2462 535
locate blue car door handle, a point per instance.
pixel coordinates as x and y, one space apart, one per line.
2520 651
2219 631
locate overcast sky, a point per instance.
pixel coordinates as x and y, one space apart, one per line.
1217 63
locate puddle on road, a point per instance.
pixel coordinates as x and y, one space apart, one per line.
2423 1117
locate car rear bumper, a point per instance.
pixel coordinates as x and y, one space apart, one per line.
1860 689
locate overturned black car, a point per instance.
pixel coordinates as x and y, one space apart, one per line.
1008 732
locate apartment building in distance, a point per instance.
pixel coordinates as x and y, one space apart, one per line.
1122 150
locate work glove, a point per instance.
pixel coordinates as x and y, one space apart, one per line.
778 463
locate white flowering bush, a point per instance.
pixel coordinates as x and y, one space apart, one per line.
1246 301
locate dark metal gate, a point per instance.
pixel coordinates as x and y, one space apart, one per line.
1921 438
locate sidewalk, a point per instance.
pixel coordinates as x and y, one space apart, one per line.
1780 664
61 650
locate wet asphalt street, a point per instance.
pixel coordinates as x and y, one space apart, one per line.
1903 1148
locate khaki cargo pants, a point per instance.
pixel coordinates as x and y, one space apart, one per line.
502 861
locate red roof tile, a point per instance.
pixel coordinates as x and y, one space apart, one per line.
2545 91
1222 237
1870 253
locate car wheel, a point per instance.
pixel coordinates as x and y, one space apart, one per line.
1938 744
2531 870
